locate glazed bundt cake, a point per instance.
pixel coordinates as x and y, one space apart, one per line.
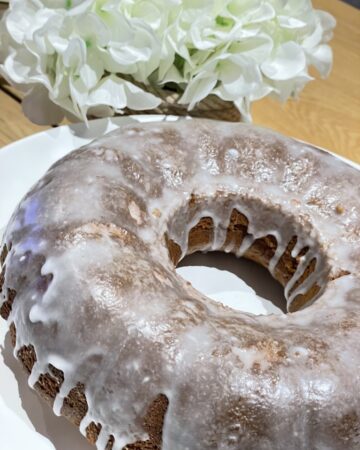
128 351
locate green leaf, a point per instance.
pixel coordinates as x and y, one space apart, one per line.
227 22
179 63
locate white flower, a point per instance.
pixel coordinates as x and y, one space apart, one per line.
81 57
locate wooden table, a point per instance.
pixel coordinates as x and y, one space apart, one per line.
327 114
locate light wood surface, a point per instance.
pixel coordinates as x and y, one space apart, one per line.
13 125
327 113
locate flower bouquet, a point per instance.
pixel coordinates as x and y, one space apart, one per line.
209 58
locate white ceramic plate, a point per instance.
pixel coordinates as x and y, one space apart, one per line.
25 420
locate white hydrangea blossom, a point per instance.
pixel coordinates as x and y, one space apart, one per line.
78 57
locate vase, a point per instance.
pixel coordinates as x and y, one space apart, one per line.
212 107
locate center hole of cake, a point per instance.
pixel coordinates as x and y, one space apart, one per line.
238 283
288 266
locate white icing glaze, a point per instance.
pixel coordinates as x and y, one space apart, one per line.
98 297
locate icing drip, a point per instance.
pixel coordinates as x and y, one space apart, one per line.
98 297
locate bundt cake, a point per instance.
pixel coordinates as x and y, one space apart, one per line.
128 351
